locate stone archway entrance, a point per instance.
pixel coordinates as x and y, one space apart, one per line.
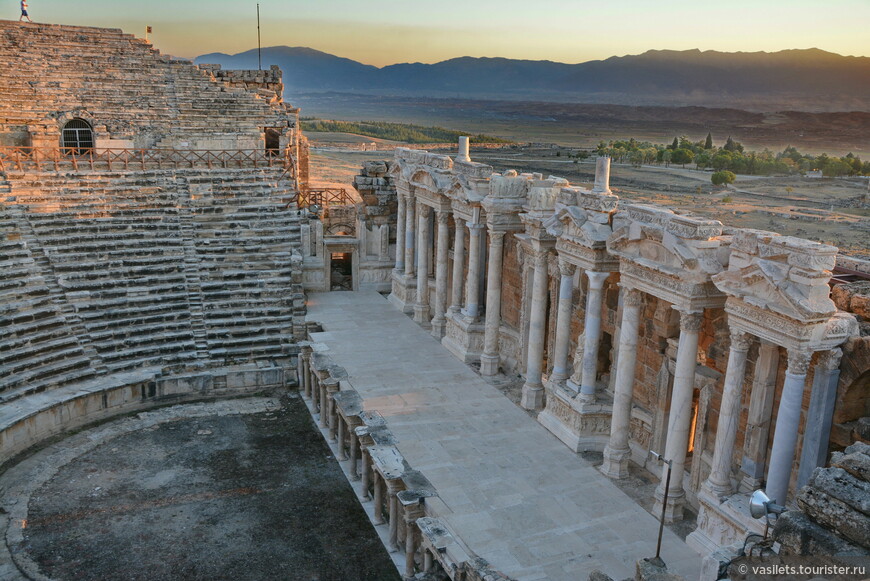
77 137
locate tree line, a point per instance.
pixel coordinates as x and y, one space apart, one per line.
731 157
395 131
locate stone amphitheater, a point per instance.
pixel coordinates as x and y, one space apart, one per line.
161 246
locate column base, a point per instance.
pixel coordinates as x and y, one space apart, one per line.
533 397
615 463
676 502
439 327
721 523
489 364
404 292
421 316
463 338
579 425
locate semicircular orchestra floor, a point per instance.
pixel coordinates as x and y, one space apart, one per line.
240 489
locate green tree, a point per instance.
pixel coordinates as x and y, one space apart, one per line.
666 157
731 145
722 178
709 143
682 156
675 144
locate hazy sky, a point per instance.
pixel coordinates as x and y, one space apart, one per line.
383 32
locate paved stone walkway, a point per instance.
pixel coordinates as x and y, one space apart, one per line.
516 495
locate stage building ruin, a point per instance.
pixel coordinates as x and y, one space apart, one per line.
155 250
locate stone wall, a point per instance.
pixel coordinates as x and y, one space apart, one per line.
132 95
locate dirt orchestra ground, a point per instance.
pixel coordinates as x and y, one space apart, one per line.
222 496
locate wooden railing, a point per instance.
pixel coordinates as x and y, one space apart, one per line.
325 197
60 158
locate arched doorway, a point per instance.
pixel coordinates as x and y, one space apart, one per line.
77 137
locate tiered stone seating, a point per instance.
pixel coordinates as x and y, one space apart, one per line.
121 81
38 349
114 244
244 237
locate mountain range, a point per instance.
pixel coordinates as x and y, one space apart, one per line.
799 79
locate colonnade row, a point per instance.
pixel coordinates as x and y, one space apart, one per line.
397 494
683 261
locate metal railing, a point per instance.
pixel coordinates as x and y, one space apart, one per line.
325 197
75 159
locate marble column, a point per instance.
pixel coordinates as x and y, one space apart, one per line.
400 235
592 333
378 505
472 285
409 237
489 359
820 416
757 432
563 322
719 482
394 519
680 420
421 306
617 452
458 265
533 388
788 418
439 321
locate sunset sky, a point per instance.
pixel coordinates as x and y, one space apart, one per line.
382 32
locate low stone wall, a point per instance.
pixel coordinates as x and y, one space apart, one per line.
401 498
26 422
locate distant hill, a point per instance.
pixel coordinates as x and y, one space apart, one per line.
806 79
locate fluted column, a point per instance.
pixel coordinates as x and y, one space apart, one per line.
680 421
421 306
458 265
592 333
489 359
820 416
719 482
409 237
533 389
757 432
400 234
788 418
617 452
563 322
472 284
439 321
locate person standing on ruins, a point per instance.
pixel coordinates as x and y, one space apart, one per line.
24 12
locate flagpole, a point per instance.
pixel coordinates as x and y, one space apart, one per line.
259 54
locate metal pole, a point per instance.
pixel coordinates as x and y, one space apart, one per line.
664 507
259 56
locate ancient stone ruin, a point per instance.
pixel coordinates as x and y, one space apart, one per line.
155 249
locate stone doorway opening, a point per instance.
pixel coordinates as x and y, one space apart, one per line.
77 137
273 141
341 271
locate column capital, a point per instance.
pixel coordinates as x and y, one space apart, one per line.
541 256
740 340
631 297
566 268
423 210
830 359
496 237
443 216
799 361
691 321
597 279
475 229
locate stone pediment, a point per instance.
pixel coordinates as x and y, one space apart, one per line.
689 248
781 274
767 286
575 225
